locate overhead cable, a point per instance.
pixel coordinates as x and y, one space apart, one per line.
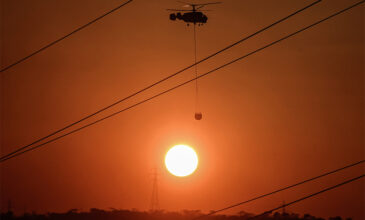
64 37
156 83
280 190
184 83
308 196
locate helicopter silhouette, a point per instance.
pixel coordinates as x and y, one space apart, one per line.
193 15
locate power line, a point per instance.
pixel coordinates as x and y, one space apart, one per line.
308 196
184 83
156 83
281 189
64 37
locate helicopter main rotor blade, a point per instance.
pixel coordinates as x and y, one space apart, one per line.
199 5
210 3
186 3
177 10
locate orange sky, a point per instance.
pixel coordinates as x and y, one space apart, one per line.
288 113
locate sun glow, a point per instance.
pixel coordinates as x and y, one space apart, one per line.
181 160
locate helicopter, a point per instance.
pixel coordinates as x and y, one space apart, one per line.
193 15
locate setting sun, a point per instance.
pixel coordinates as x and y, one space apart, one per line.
181 160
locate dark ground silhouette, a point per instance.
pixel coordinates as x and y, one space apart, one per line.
118 214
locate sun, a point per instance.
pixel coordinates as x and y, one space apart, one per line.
181 160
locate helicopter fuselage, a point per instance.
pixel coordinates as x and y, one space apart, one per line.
195 17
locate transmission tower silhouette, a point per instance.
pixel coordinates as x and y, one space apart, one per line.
9 206
154 205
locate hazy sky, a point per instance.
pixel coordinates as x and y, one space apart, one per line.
288 113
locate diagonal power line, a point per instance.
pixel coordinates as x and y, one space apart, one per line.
309 196
186 82
64 37
158 82
281 189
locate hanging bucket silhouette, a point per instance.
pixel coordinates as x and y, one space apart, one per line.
198 116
